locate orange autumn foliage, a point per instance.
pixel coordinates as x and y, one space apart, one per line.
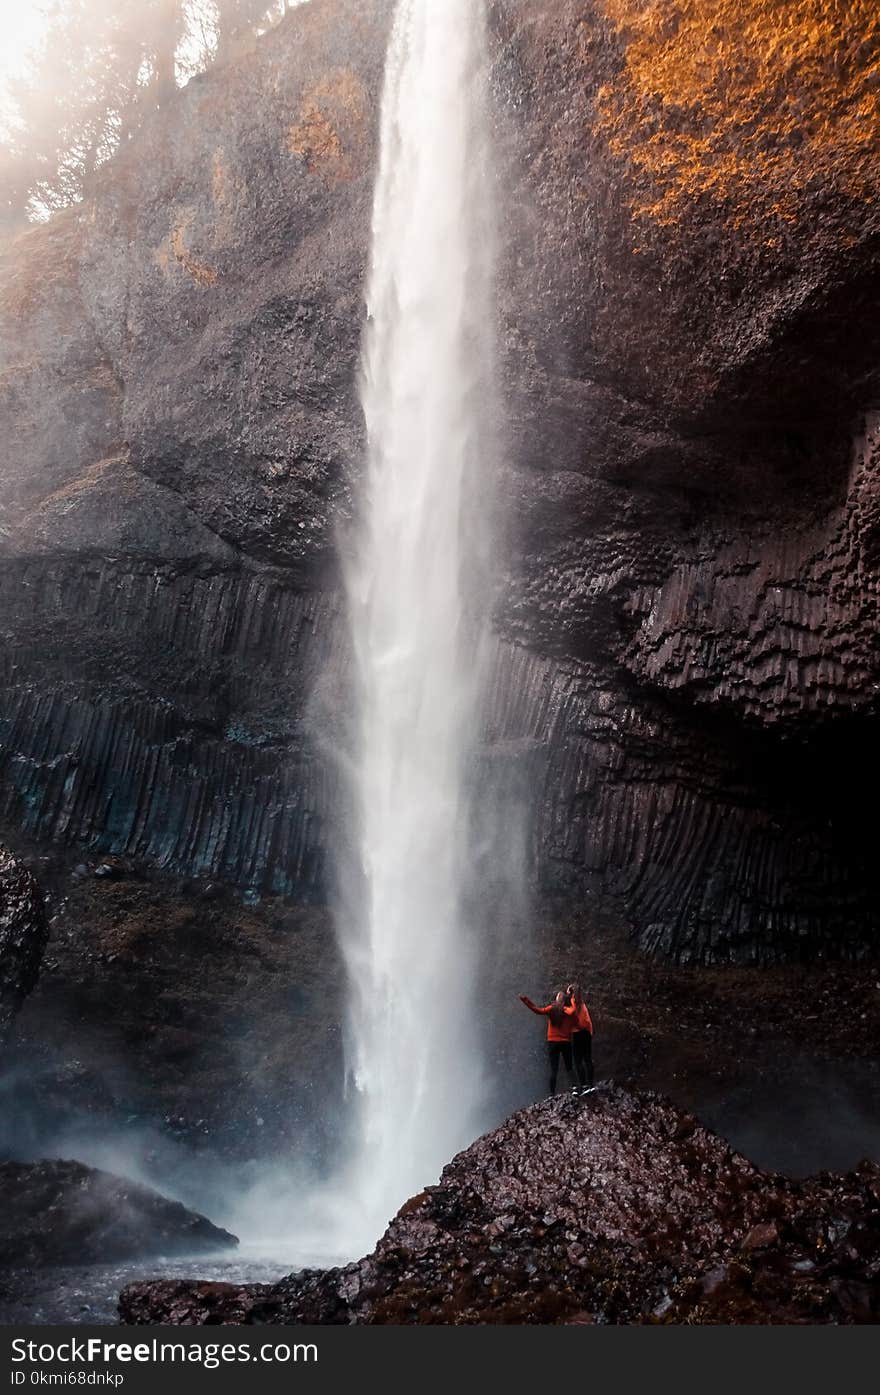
751 103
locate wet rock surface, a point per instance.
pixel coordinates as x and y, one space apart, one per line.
23 935
70 1294
687 664
611 1208
57 1212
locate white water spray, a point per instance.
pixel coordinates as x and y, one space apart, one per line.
417 603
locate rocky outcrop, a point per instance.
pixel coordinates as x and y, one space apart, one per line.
65 1213
613 1208
23 934
687 641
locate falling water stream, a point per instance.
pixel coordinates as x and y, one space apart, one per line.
416 594
418 580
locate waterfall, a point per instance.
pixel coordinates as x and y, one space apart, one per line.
417 598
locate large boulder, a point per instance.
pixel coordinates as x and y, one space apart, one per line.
67 1213
615 1207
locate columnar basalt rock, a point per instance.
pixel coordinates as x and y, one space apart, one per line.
148 706
687 626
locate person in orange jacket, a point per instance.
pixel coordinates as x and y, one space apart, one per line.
581 1037
560 1020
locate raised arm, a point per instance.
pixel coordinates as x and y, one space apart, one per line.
542 1012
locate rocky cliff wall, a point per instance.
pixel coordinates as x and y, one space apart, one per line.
23 933
687 669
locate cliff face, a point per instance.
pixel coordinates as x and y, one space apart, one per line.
687 662
179 402
698 490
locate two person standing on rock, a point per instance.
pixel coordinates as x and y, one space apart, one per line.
569 1036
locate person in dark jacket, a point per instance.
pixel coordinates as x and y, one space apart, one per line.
581 1037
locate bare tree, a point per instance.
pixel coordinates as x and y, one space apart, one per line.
163 28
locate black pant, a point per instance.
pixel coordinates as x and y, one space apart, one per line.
582 1051
555 1049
